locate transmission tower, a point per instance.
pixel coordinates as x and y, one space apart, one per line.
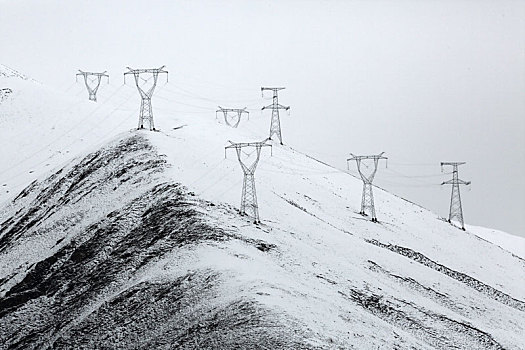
146 109
367 199
275 126
249 196
94 78
456 210
226 112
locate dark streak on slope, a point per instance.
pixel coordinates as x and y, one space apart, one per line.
69 188
177 314
481 287
88 293
427 292
107 253
437 330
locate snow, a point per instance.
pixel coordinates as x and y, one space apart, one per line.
511 243
43 129
309 212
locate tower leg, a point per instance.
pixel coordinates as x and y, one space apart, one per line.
367 201
146 109
146 113
242 209
372 206
275 126
249 197
456 210
363 199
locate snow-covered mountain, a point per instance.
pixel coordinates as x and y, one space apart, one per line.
511 243
116 238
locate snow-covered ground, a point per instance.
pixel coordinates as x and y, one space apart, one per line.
411 280
511 243
42 128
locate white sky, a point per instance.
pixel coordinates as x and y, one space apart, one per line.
424 81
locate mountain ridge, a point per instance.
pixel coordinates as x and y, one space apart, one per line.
138 243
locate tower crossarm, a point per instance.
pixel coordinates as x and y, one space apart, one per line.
237 110
239 146
358 160
146 70
136 72
277 106
272 88
452 163
248 144
377 156
455 181
103 74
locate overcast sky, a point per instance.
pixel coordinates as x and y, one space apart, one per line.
424 81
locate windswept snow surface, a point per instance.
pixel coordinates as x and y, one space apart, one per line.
41 128
511 243
89 244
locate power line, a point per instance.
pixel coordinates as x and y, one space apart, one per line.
65 146
213 84
400 174
414 164
185 104
60 136
190 94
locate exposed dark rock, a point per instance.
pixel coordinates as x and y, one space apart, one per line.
436 330
88 293
481 287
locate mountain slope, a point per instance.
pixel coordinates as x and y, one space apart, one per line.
511 243
138 244
114 223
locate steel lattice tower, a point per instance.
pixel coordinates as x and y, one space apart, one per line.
456 210
226 112
367 199
275 126
146 109
249 195
93 78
